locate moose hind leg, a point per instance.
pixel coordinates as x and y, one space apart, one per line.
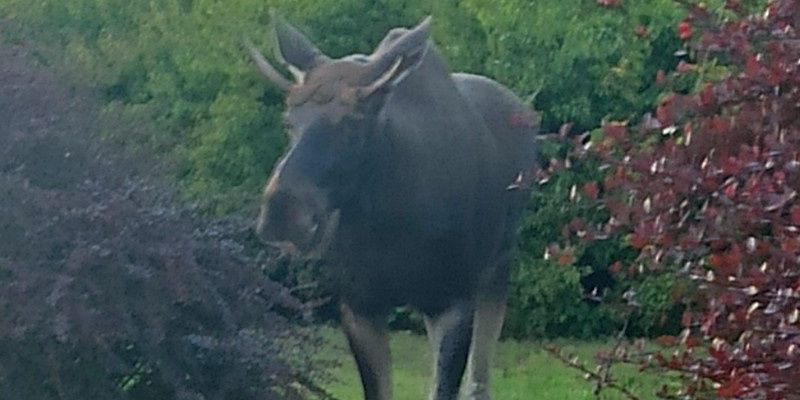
449 333
369 343
489 315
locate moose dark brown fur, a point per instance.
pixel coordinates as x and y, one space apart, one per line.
408 181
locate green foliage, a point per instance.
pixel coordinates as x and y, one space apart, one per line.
175 69
460 36
547 293
178 65
341 27
555 296
582 62
659 310
546 301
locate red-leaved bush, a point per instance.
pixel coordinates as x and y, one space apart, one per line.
706 189
112 289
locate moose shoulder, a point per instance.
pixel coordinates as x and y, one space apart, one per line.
408 181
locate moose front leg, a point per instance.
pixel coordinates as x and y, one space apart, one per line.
449 333
369 343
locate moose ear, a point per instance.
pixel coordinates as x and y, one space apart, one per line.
396 59
294 49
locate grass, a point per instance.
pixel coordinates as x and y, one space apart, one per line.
521 370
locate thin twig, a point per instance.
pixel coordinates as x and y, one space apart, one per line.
317 390
609 362
592 375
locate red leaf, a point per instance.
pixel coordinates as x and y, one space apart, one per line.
590 190
615 130
690 342
730 191
716 260
684 30
752 66
663 115
666 341
577 224
734 255
564 259
615 268
720 125
731 166
794 213
641 31
732 389
775 77
706 96
790 245
780 177
636 241
664 240
726 263
661 79
684 67
722 206
686 319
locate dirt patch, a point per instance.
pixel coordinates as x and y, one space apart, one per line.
108 287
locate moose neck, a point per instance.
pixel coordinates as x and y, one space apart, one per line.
426 156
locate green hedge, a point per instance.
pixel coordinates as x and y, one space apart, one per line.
176 69
579 61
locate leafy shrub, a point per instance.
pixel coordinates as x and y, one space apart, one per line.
546 294
659 304
176 61
579 62
706 190
108 289
546 300
555 292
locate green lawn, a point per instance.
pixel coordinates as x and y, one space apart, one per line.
522 370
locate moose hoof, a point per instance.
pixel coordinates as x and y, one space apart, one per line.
475 391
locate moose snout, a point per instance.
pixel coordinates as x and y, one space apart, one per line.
290 223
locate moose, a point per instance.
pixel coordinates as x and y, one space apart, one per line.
408 181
